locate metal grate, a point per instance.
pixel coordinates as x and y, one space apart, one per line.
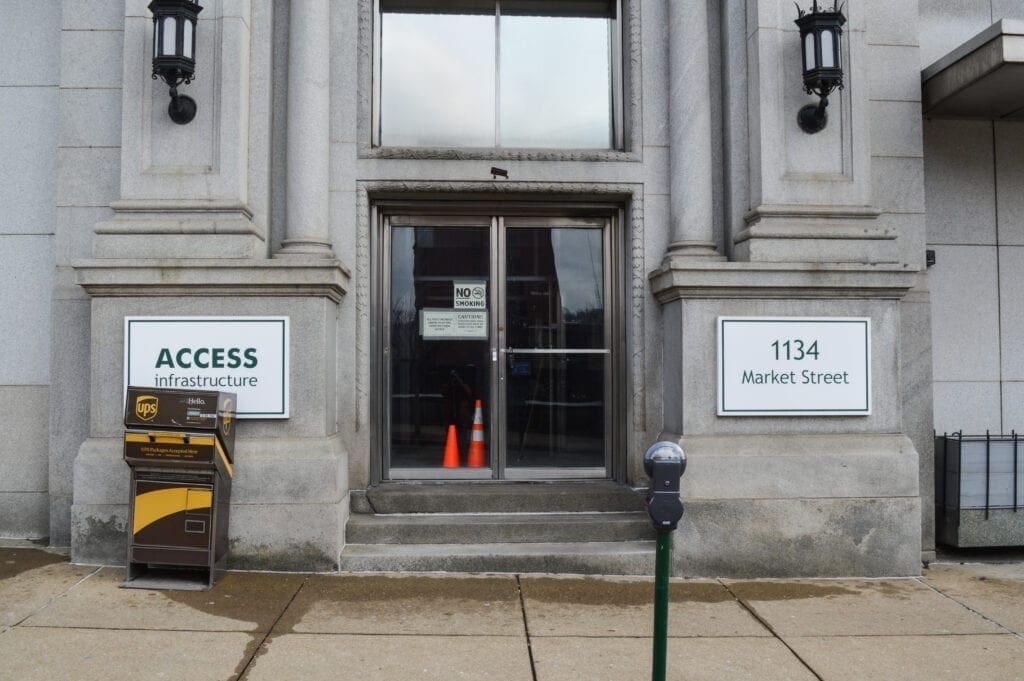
979 471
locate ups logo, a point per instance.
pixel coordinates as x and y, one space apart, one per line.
146 407
226 417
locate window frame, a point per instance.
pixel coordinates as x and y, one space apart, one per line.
624 49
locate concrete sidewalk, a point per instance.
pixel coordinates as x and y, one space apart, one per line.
61 621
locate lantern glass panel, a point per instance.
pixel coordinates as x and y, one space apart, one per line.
156 37
187 47
809 61
828 49
169 42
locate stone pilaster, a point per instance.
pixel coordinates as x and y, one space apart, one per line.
309 141
691 216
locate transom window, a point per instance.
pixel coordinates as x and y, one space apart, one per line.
499 73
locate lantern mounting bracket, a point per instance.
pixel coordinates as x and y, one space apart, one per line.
182 108
813 117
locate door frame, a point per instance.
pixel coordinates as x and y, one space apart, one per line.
491 212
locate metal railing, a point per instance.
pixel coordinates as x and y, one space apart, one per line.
958 454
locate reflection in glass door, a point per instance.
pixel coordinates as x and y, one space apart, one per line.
499 321
438 353
557 349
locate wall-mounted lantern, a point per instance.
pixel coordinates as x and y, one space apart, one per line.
174 46
820 33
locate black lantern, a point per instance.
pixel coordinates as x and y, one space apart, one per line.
174 46
820 33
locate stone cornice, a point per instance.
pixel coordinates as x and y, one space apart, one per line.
293 277
812 212
690 279
180 206
498 154
473 190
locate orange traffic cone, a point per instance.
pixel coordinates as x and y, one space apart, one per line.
477 456
451 449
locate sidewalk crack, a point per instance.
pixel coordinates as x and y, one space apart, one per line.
764 623
526 628
53 600
923 580
246 663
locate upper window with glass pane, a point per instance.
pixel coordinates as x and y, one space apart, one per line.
498 73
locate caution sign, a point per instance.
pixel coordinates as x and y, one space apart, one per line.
443 324
470 295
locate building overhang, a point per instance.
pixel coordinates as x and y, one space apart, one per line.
982 78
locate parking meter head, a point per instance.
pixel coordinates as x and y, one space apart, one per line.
665 463
664 452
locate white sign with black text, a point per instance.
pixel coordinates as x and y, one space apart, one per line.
470 295
247 356
794 366
445 324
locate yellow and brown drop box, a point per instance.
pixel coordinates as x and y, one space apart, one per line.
180 491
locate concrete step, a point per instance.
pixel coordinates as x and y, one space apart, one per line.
585 558
498 497
498 528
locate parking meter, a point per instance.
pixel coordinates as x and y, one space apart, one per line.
665 462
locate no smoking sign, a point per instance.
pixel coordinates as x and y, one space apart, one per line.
470 295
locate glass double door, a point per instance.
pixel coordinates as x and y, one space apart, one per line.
497 349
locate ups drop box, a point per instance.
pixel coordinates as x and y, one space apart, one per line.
181 410
179 445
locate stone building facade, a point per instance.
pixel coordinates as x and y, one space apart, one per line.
303 176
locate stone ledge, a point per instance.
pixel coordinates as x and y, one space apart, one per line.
796 211
816 234
581 558
313 277
187 229
695 279
498 154
174 207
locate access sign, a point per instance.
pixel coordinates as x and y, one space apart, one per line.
794 366
243 355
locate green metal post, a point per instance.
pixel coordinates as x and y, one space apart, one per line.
661 570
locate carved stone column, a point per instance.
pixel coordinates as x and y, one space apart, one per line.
309 140
691 228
